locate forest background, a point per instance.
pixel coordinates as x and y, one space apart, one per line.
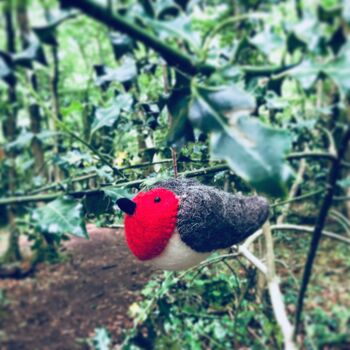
98 99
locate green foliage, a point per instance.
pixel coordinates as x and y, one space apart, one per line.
61 216
85 108
101 340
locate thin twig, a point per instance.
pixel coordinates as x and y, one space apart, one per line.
293 191
173 153
298 198
298 228
80 194
276 296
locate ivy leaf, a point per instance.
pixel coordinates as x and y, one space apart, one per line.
339 69
306 73
121 43
308 30
268 41
101 339
344 183
108 116
179 27
47 33
22 141
254 151
62 216
126 73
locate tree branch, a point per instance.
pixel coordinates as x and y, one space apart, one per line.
79 194
311 154
173 56
327 202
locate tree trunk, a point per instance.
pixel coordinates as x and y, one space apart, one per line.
34 109
10 131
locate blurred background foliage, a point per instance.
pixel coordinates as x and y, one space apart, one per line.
246 95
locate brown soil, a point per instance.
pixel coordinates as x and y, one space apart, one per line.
61 305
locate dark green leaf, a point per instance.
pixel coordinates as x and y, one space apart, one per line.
47 33
33 53
22 141
344 183
309 31
339 69
254 151
6 68
62 216
126 73
210 109
268 41
179 27
121 43
306 73
103 202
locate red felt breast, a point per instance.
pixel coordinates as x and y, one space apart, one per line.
149 229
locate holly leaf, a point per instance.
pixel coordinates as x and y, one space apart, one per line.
254 151
108 116
64 215
230 101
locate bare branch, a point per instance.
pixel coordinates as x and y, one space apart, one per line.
327 202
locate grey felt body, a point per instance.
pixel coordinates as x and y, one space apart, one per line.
210 219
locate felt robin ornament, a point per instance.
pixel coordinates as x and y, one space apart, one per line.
177 223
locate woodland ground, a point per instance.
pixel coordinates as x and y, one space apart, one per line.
61 305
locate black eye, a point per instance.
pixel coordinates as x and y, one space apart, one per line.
157 200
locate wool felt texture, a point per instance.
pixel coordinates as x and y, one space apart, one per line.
209 219
150 227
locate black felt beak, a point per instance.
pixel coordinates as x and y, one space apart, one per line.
126 205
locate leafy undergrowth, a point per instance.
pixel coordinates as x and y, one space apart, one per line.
204 309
